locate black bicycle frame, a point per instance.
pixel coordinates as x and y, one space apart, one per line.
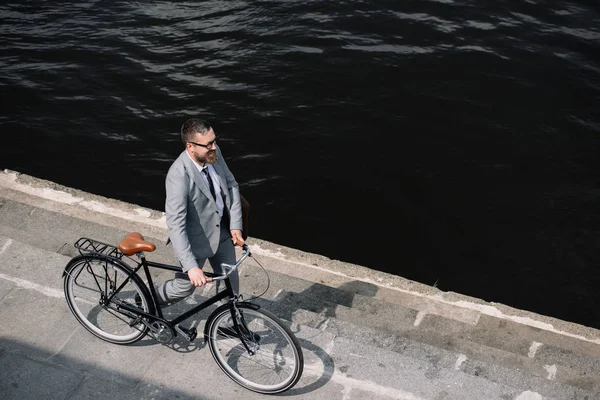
146 264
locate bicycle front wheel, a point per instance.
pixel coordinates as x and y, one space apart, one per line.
89 282
274 363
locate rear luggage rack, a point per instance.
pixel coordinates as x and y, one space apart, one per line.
91 246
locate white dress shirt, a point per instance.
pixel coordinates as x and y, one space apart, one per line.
216 184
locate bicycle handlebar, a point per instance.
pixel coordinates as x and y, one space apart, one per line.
228 268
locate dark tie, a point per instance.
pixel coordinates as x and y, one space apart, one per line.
210 183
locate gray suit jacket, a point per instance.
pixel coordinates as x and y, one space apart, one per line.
192 217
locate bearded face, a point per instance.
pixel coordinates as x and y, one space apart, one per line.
209 158
204 148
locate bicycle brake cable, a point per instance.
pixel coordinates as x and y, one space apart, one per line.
268 280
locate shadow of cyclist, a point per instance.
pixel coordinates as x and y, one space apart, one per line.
325 301
322 299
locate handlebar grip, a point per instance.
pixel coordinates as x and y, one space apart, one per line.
228 268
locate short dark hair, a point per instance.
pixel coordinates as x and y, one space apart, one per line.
193 126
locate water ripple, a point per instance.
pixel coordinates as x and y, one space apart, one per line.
461 104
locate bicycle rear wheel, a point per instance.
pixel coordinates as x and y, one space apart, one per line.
277 362
88 282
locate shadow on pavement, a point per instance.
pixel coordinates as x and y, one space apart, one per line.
29 373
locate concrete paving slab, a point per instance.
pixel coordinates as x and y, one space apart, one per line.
423 347
94 388
27 263
27 219
186 367
23 220
50 196
5 287
430 378
550 338
407 349
559 364
358 394
125 365
525 365
308 389
315 349
35 319
28 379
581 358
545 385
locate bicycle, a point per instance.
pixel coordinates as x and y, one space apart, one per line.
111 300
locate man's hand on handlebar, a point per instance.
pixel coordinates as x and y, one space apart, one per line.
236 237
197 277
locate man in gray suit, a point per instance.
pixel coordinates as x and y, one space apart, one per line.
203 211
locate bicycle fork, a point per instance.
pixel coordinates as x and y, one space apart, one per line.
250 340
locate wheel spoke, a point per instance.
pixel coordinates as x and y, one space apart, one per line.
276 364
88 284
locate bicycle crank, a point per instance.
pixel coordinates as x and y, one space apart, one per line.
161 332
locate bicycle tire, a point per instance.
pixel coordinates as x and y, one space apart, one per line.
278 363
87 280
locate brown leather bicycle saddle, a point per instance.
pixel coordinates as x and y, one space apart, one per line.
134 243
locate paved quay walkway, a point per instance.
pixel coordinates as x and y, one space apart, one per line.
365 334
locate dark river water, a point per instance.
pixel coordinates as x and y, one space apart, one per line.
451 142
